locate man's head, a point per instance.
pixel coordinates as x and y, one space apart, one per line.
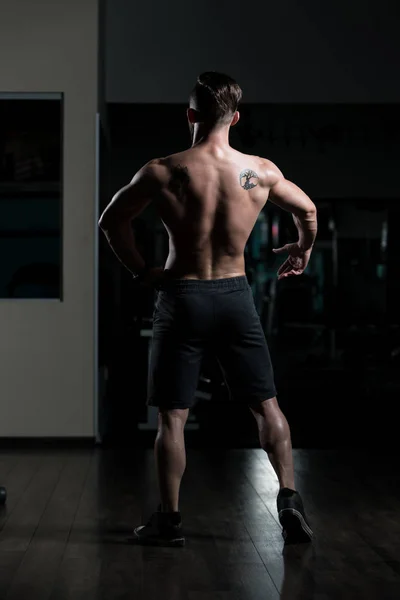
214 101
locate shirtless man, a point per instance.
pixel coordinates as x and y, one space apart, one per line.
209 198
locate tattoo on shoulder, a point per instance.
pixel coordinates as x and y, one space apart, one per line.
179 180
248 179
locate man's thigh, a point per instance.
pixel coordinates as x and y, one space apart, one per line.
180 330
243 354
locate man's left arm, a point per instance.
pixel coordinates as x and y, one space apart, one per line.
128 203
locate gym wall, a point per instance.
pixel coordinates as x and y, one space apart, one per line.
332 151
286 52
47 346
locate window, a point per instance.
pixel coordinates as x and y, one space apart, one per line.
30 195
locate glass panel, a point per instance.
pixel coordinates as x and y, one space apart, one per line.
31 196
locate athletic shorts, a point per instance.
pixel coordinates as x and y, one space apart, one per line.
194 317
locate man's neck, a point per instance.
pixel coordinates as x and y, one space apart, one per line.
214 136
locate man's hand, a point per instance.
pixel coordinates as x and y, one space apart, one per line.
295 263
154 277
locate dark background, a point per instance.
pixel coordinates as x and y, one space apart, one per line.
334 332
279 52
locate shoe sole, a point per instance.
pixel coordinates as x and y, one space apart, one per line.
174 543
295 528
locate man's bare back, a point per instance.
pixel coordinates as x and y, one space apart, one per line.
209 201
209 198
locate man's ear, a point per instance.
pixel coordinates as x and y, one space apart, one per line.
193 116
235 119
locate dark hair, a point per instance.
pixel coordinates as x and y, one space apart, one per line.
216 97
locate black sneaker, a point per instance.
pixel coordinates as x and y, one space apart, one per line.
296 528
163 529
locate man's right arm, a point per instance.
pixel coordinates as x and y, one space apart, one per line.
291 198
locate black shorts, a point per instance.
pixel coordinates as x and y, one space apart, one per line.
192 317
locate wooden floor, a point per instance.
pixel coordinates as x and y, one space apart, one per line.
65 532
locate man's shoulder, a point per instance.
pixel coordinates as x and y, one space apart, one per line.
162 165
262 163
267 171
155 169
266 164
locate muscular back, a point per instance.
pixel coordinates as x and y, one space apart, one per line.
209 203
209 198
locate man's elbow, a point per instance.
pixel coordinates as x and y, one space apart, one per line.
306 213
309 211
106 221
313 208
113 224
107 226
101 223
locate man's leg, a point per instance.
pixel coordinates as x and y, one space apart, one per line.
170 456
275 439
274 434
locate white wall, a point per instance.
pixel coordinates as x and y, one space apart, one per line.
287 51
46 346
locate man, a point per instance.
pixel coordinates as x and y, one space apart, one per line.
209 198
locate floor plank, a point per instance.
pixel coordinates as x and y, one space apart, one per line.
29 489
66 531
49 542
98 561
